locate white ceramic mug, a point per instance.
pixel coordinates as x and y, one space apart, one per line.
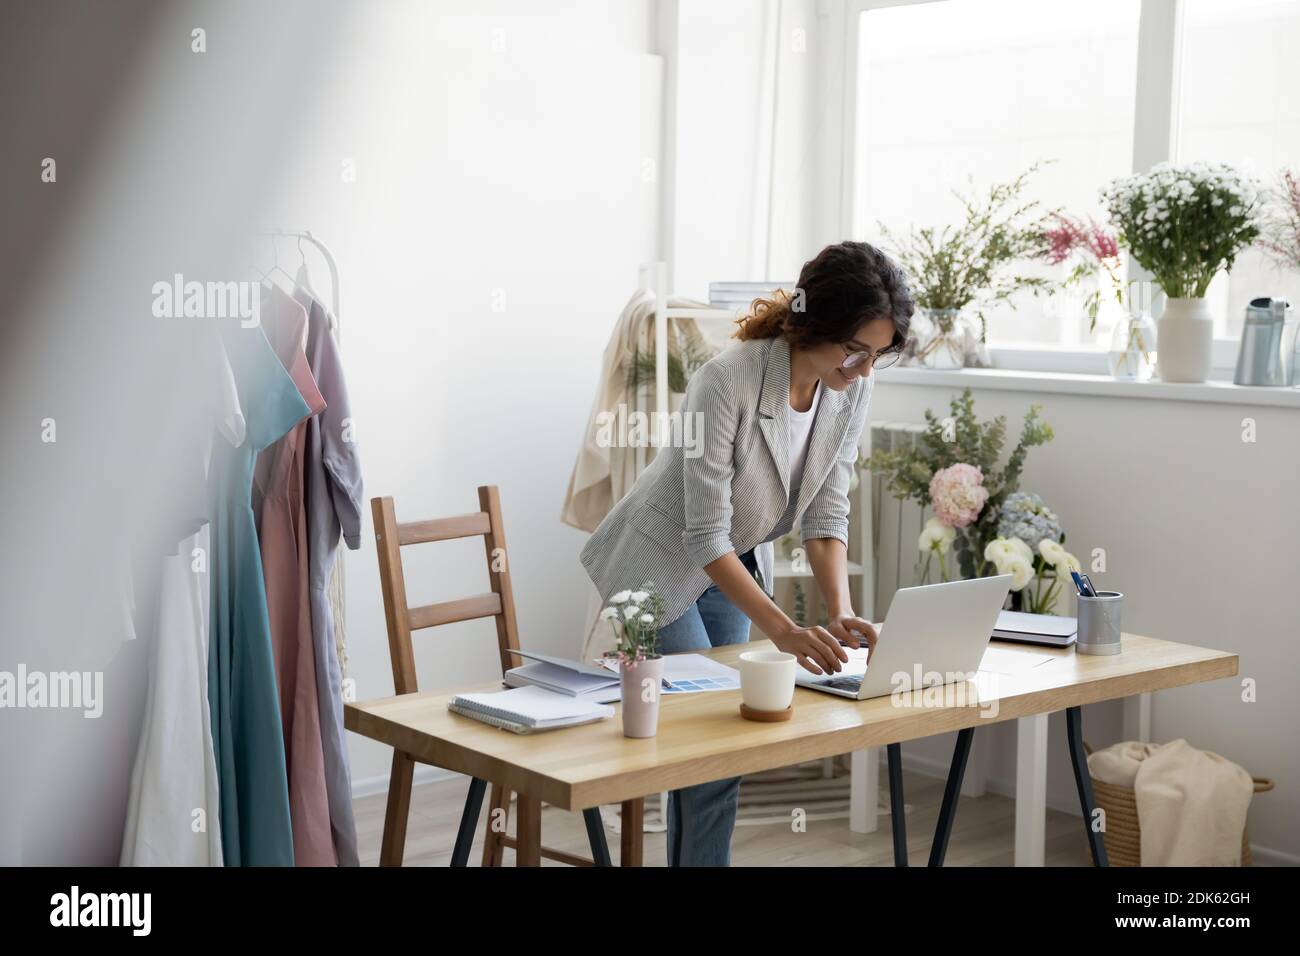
767 679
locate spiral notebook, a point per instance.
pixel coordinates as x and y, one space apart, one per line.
525 710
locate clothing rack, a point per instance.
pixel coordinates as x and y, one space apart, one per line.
653 278
327 255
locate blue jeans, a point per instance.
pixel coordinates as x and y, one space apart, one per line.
702 818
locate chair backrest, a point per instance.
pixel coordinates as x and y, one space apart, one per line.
499 602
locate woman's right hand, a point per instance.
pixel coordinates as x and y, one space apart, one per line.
814 647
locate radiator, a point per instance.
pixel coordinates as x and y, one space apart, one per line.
895 526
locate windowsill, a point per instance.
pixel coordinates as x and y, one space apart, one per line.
1076 383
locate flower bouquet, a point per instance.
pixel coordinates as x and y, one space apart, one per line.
634 617
1184 224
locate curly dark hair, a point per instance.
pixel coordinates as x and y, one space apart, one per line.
843 286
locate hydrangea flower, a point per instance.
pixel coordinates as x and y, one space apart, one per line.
1025 518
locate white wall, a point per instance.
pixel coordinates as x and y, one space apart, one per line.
1200 532
488 179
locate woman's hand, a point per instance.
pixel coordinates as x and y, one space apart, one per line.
814 647
852 630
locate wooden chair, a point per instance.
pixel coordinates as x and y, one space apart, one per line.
499 602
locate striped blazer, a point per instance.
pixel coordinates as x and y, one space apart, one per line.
726 487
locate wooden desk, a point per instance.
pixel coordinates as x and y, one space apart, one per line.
702 736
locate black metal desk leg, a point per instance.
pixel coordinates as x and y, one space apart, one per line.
596 836
468 822
956 771
1087 803
896 815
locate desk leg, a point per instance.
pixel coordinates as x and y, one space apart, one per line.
1031 790
960 754
631 824
864 790
897 810
596 837
1074 728
528 831
468 822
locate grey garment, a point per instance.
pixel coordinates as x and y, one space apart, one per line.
687 510
333 498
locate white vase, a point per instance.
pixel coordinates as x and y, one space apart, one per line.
1184 341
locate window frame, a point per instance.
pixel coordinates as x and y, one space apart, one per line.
1155 139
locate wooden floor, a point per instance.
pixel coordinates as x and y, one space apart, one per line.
983 833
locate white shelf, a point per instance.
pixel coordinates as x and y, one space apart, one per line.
1070 383
781 568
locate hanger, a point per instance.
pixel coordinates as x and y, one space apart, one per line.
276 267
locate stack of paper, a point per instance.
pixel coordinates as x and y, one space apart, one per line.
1047 629
527 709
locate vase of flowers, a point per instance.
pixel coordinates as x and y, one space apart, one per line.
1030 546
958 272
1132 355
634 617
1183 224
953 469
941 338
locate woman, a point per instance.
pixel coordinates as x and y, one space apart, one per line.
778 416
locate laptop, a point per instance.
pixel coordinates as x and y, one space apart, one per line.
938 630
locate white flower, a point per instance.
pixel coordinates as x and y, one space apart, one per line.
998 551
621 596
609 614
1021 571
1020 550
639 596
630 612
647 618
937 536
1051 551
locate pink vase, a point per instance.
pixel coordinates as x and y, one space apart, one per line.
642 684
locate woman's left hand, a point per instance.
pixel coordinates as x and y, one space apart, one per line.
853 630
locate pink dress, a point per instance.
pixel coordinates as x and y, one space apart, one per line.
278 503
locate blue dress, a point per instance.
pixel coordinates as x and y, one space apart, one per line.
246 729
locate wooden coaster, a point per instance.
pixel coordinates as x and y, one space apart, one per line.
766 716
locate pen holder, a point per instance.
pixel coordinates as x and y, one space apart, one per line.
1099 623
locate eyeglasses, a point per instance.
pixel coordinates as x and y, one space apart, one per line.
882 359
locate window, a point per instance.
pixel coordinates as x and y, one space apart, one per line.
981 89
1239 105
958 89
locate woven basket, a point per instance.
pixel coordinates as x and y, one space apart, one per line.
1123 836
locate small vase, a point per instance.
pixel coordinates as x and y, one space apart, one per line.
941 339
1185 340
1132 355
641 684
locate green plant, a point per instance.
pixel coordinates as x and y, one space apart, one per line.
681 366
960 438
971 263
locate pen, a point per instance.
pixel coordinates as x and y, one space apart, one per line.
1078 582
1092 591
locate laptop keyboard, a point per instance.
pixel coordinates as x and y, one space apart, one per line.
849 682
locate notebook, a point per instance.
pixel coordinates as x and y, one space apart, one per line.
528 709
1048 629
563 676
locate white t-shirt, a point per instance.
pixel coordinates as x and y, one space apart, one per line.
800 432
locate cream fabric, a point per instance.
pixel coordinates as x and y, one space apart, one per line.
603 475
1191 803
